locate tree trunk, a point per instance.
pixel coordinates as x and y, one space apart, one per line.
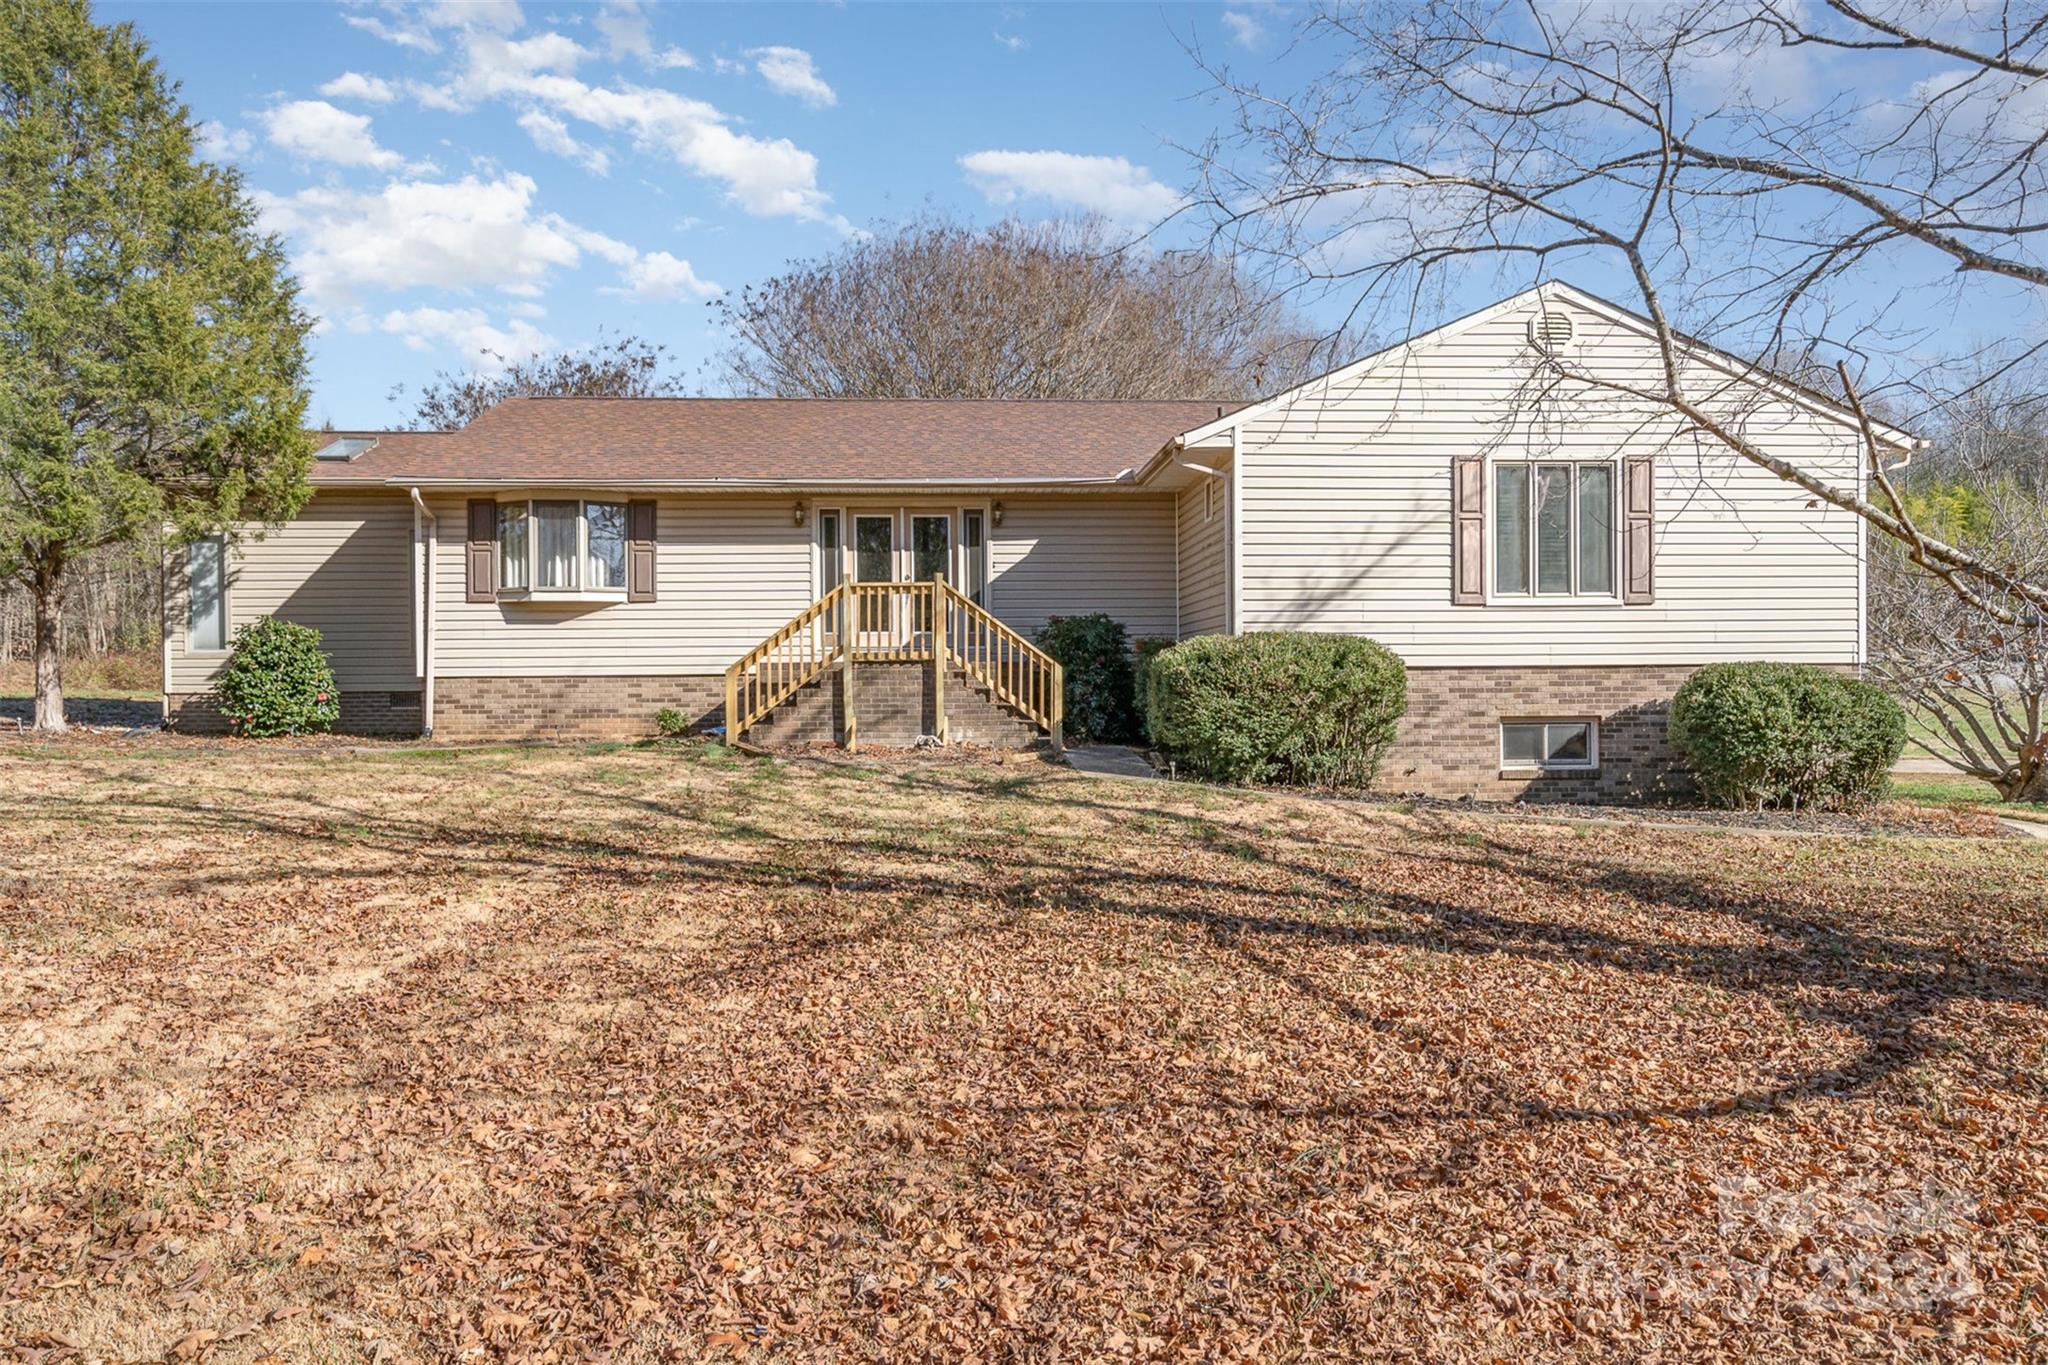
2033 787
49 596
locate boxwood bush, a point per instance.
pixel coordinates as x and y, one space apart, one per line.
1277 707
1096 656
1769 734
1142 654
278 682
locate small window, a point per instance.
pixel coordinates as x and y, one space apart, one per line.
606 540
831 552
206 627
1552 744
973 556
1553 529
1209 499
514 547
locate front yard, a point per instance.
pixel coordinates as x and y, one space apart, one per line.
657 1053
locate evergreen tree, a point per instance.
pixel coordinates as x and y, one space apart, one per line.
153 349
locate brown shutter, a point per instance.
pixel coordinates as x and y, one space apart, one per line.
1638 543
640 552
480 560
1468 531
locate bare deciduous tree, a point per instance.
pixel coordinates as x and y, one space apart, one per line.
1979 685
1818 181
612 367
939 309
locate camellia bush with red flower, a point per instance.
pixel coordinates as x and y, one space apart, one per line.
278 682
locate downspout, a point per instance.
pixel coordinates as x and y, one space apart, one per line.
426 606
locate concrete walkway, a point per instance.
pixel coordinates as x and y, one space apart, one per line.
1110 760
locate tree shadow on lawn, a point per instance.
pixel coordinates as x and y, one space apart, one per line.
1823 968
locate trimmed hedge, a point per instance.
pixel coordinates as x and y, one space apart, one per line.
1096 657
1142 655
1769 734
278 682
1316 710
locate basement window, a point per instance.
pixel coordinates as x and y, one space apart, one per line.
1551 745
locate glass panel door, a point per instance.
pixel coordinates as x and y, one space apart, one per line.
874 561
931 553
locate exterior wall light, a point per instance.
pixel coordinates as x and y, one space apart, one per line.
796 513
995 514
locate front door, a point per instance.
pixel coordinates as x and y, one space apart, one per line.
874 561
931 556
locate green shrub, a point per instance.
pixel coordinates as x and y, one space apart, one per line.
671 722
1308 709
1096 656
278 682
1142 655
1766 734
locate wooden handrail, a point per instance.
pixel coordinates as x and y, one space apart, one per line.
896 623
771 672
1014 670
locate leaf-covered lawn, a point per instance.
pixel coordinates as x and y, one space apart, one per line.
658 1053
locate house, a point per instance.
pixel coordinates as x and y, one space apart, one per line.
1550 553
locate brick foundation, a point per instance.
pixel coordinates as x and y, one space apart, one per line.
1449 743
892 706
589 707
363 712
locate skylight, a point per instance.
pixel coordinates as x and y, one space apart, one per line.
344 448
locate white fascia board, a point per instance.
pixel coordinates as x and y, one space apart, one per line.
1727 363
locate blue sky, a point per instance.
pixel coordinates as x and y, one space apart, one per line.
458 176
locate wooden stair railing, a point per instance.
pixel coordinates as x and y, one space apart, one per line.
895 623
776 669
1016 672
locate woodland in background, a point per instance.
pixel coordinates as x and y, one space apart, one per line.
110 636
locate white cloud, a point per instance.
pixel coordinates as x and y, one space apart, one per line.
1013 41
399 34
658 275
790 71
470 331
1108 185
218 142
624 26
550 134
1245 29
495 16
353 85
318 131
670 58
457 235
461 234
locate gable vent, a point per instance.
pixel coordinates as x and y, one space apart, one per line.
1551 331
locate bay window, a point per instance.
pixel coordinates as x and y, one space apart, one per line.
562 545
1553 529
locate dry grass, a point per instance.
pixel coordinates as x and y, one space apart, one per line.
649 1054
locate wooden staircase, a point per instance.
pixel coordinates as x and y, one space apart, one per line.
895 623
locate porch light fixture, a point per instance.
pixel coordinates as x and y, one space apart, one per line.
796 513
995 514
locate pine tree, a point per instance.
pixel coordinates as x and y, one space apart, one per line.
154 352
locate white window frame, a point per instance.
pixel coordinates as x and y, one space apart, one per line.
818 515
1591 763
1534 597
227 620
533 592
988 551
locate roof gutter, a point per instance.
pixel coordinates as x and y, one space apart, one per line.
1123 478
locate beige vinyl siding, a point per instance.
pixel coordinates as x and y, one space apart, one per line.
341 566
727 572
1346 512
1063 556
1202 564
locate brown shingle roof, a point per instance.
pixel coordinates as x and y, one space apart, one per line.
795 440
